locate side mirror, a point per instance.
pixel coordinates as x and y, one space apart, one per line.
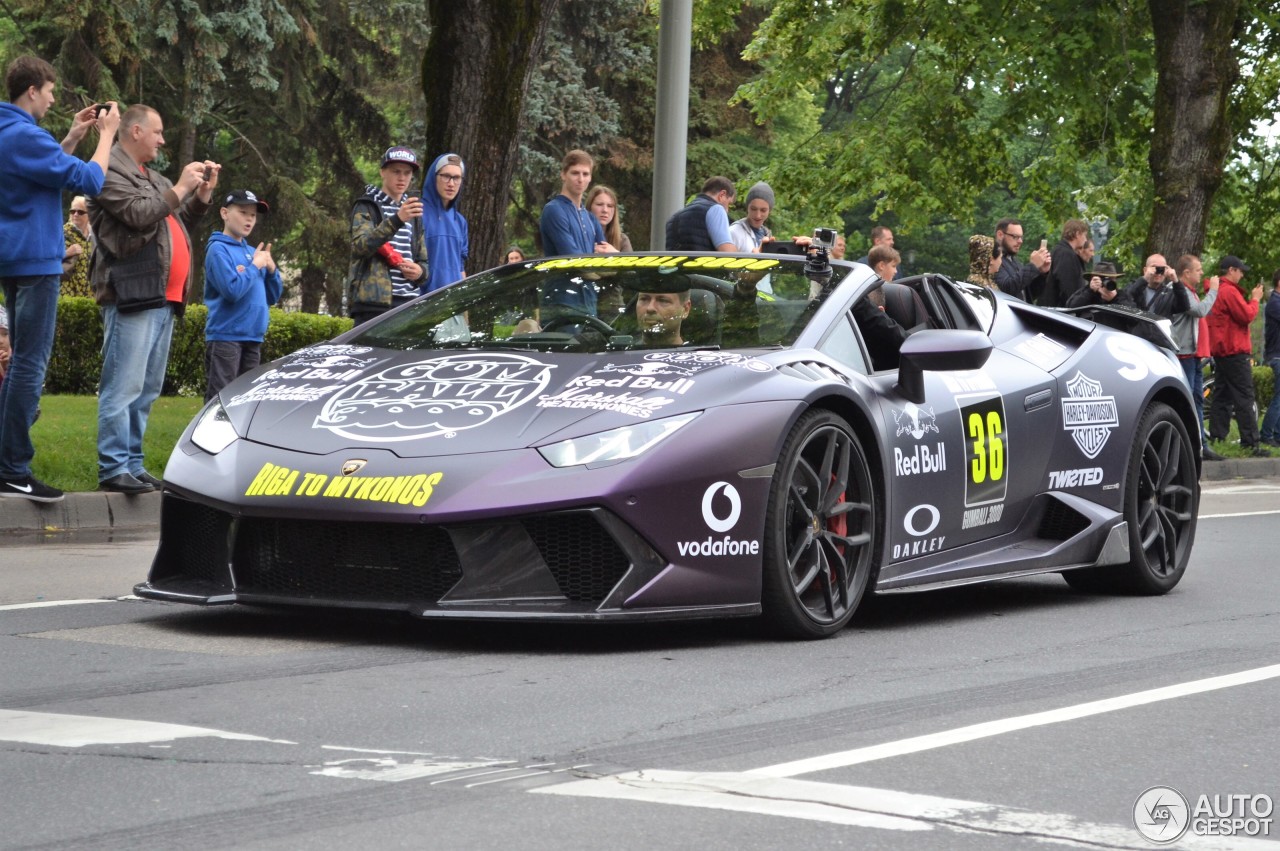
938 350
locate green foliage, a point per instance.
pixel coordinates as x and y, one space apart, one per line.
76 364
596 52
291 98
66 437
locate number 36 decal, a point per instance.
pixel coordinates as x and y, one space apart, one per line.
988 449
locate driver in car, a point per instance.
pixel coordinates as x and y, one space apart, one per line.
660 316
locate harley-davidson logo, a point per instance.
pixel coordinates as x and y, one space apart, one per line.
1088 415
355 465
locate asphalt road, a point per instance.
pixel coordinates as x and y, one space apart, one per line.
1010 715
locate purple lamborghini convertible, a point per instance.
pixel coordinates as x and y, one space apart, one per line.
651 436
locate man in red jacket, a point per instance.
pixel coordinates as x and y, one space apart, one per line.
1232 350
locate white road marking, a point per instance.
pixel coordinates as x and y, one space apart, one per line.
45 604
1252 487
392 771
74 731
1009 725
861 806
740 793
1237 514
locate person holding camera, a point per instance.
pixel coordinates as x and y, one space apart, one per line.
1100 286
1157 291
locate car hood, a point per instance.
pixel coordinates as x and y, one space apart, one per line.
425 403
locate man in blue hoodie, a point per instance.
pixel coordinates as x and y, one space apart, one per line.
443 227
240 283
34 169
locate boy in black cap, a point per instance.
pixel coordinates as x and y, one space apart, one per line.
388 252
240 284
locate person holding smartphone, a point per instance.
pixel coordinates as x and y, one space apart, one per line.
388 249
1013 276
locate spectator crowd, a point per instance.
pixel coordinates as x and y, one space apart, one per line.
127 244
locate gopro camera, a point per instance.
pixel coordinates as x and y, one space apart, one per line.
102 107
1159 270
824 238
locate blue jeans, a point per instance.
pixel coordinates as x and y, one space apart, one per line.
1271 422
1193 369
135 352
33 316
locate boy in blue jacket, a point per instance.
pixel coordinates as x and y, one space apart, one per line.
240 283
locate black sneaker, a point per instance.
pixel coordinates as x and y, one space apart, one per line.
1209 455
29 488
1259 452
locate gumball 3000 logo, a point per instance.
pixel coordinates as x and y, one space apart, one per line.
441 396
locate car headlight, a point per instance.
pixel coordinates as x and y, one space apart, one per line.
615 445
214 432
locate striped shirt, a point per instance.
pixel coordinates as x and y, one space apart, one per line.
401 242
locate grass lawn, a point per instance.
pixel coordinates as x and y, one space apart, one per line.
66 438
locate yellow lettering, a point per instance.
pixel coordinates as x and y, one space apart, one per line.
260 481
284 483
410 489
336 487
380 489
425 494
366 485
762 264
395 489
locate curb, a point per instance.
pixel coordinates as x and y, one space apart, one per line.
1239 468
98 510
94 510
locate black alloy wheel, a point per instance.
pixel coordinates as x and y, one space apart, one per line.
1162 498
820 529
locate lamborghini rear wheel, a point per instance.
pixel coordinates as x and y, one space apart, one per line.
1162 497
819 531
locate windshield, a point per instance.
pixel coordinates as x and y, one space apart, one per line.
609 302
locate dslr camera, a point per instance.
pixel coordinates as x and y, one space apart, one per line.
824 238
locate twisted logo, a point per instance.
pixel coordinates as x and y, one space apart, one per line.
1161 814
433 397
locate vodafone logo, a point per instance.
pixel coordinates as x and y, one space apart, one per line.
719 520
715 522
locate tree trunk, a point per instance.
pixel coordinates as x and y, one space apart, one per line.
475 72
1195 70
311 286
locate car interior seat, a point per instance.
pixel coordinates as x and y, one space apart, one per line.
905 307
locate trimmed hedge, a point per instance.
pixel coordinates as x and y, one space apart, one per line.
76 363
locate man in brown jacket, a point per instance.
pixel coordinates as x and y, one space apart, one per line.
140 275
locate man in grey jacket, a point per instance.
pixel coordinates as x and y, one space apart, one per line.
140 275
1187 335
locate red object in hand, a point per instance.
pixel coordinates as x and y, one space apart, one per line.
393 257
